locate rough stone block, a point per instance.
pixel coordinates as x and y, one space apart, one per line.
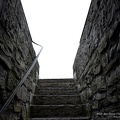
88 79
97 69
83 96
104 60
109 66
29 85
110 100
113 78
6 61
112 52
22 93
3 77
24 112
89 93
99 96
12 81
98 84
112 90
95 105
17 106
102 45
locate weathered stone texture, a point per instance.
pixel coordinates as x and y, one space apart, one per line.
97 63
16 56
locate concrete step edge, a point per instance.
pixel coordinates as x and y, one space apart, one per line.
39 88
62 105
55 80
61 118
56 95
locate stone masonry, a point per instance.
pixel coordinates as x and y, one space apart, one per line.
16 56
97 63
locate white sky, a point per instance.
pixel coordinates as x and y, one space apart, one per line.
57 25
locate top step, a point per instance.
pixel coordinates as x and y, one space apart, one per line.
55 80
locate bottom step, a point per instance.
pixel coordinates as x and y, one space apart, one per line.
41 111
62 118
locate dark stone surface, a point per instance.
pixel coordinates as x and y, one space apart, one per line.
56 111
56 99
97 63
16 56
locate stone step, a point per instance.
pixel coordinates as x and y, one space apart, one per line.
55 99
66 85
62 118
55 91
71 80
56 111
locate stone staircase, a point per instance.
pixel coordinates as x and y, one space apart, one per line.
56 99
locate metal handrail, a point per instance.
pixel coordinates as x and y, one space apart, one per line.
21 82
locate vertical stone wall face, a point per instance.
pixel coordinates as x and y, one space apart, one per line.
16 56
97 63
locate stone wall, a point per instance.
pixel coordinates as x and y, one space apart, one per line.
16 56
97 63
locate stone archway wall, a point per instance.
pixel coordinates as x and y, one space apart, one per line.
16 56
97 63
